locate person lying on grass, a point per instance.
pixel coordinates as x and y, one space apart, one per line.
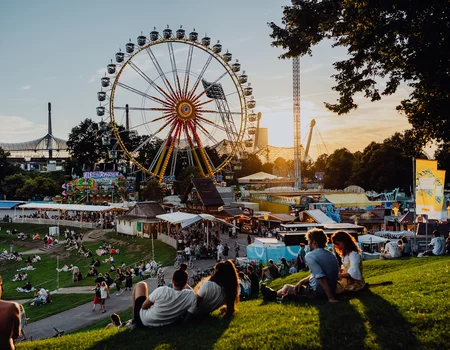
220 290
321 283
350 274
164 305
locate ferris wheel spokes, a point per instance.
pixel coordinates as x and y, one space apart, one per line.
143 94
188 69
159 70
173 63
199 78
150 81
209 87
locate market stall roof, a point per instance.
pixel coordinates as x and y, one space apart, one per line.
258 176
371 239
318 216
9 204
187 219
351 200
280 217
73 207
144 210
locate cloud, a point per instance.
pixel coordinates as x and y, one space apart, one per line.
26 87
97 75
18 129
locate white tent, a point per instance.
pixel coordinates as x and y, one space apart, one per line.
394 234
371 239
176 217
186 219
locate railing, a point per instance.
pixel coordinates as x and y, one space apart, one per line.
55 222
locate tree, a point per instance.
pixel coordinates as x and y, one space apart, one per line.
339 169
12 184
85 145
390 42
40 186
153 191
6 168
442 155
267 168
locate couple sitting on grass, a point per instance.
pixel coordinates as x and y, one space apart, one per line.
326 279
166 305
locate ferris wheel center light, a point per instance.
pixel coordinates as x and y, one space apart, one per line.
185 110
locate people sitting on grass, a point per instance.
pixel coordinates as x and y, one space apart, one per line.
115 321
253 279
436 246
284 267
26 288
92 272
270 272
164 305
36 237
95 263
321 283
41 297
20 277
245 285
220 290
110 260
350 274
405 246
65 268
391 251
29 267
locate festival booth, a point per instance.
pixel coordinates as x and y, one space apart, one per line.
187 219
370 246
62 211
264 249
140 220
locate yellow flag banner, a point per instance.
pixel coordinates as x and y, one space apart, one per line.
425 186
439 193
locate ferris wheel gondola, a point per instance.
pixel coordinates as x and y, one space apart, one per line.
183 93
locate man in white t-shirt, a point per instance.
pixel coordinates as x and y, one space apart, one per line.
219 251
164 305
391 251
437 245
187 252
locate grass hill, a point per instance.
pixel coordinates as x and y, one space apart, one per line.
411 313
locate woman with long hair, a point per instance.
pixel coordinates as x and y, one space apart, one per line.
220 290
350 274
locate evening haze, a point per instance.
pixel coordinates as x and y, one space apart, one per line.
57 51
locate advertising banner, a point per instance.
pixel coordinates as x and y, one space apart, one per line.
425 179
429 192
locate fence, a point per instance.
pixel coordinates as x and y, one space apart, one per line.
168 240
55 222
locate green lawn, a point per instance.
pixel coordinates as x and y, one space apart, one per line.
45 275
411 313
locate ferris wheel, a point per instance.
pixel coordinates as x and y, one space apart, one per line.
184 93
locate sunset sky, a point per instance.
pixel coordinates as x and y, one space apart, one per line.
56 51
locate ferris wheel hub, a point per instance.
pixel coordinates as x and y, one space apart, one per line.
185 109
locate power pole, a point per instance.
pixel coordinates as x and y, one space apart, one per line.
297 131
